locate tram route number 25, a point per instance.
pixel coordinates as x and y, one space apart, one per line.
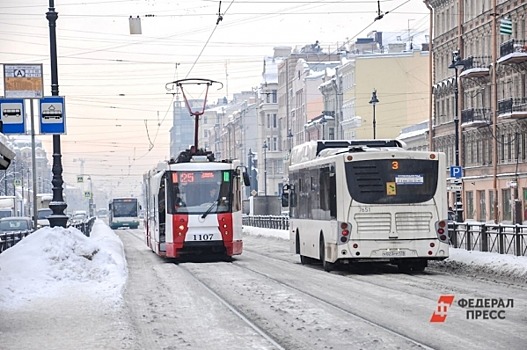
203 237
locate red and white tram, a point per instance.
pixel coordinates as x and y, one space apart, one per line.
194 206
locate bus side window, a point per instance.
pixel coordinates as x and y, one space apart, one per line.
332 194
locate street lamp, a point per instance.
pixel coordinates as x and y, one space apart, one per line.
264 147
57 205
374 100
250 155
90 200
457 64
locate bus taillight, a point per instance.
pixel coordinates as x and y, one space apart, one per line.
441 231
344 232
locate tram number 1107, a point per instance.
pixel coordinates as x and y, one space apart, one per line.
203 237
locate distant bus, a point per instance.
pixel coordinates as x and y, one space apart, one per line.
124 212
367 200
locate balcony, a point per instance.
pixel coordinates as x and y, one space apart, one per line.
476 67
513 52
475 118
512 108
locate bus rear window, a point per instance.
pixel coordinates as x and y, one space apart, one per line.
392 181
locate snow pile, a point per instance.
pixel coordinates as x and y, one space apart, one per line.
510 267
55 262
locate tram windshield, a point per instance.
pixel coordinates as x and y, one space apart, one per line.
200 192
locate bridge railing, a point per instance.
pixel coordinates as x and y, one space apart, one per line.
9 239
84 226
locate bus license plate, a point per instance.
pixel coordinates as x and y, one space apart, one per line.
394 253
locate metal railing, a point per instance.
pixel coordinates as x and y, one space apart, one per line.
495 238
277 222
84 226
9 239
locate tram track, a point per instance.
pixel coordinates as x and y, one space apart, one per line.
232 308
247 318
336 307
410 342
288 306
260 323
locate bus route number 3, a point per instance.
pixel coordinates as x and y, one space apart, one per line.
203 237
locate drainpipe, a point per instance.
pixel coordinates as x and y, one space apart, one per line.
430 77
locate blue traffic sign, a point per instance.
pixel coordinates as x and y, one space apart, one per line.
13 116
456 171
52 115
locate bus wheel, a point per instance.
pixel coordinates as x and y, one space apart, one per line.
304 260
326 265
414 266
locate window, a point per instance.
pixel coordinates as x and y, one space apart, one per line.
524 190
505 204
482 214
491 204
469 199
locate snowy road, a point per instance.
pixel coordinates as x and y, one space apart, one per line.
303 307
72 298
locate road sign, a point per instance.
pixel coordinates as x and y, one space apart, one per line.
456 171
80 179
505 26
454 188
13 116
23 80
52 115
87 194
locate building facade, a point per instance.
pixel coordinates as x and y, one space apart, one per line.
479 116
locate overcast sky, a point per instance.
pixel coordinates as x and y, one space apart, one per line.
118 112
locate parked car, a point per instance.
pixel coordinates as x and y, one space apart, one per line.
16 224
42 217
13 229
78 218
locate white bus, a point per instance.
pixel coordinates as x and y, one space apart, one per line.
367 200
124 212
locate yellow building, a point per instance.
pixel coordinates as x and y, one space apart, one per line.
402 88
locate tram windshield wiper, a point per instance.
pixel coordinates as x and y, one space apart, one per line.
209 209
